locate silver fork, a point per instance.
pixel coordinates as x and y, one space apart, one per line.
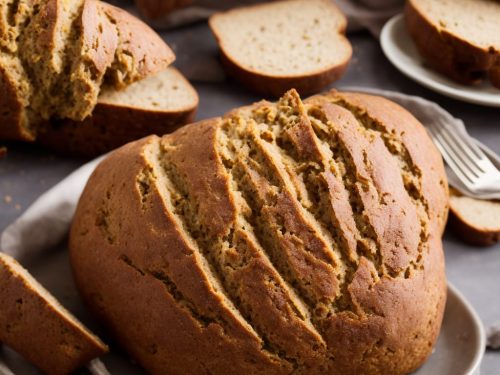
465 158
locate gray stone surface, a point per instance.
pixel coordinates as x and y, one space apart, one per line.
28 171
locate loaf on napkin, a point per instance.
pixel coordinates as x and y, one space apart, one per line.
273 47
58 56
283 237
459 38
34 324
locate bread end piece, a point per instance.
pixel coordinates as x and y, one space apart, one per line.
35 325
475 221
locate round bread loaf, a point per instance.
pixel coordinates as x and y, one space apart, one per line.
281 238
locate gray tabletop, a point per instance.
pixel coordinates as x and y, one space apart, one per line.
28 171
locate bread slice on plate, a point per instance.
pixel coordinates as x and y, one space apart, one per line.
288 44
33 323
476 221
459 38
155 105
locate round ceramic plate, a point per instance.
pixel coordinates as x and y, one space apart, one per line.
461 342
402 52
459 349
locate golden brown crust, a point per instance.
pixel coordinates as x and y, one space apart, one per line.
290 227
38 329
141 51
466 229
449 54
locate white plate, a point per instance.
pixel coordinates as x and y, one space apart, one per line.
461 342
400 49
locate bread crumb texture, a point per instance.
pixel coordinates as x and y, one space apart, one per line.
55 55
289 237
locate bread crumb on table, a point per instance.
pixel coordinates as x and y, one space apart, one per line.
7 199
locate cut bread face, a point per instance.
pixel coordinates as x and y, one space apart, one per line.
44 49
155 105
37 326
15 90
277 44
476 221
476 21
57 55
167 91
461 39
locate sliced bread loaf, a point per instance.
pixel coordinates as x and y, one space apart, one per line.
59 54
155 105
35 324
288 44
459 38
476 221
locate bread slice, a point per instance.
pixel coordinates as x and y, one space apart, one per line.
13 15
459 38
288 44
155 105
476 221
34 324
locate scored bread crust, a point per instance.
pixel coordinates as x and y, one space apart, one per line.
448 53
280 238
276 85
35 325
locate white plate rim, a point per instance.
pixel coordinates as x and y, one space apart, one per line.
450 88
473 368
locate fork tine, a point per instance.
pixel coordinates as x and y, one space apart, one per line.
469 147
451 155
459 153
468 182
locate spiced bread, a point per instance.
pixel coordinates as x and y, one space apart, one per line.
459 38
157 105
33 323
276 46
475 221
289 237
64 54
